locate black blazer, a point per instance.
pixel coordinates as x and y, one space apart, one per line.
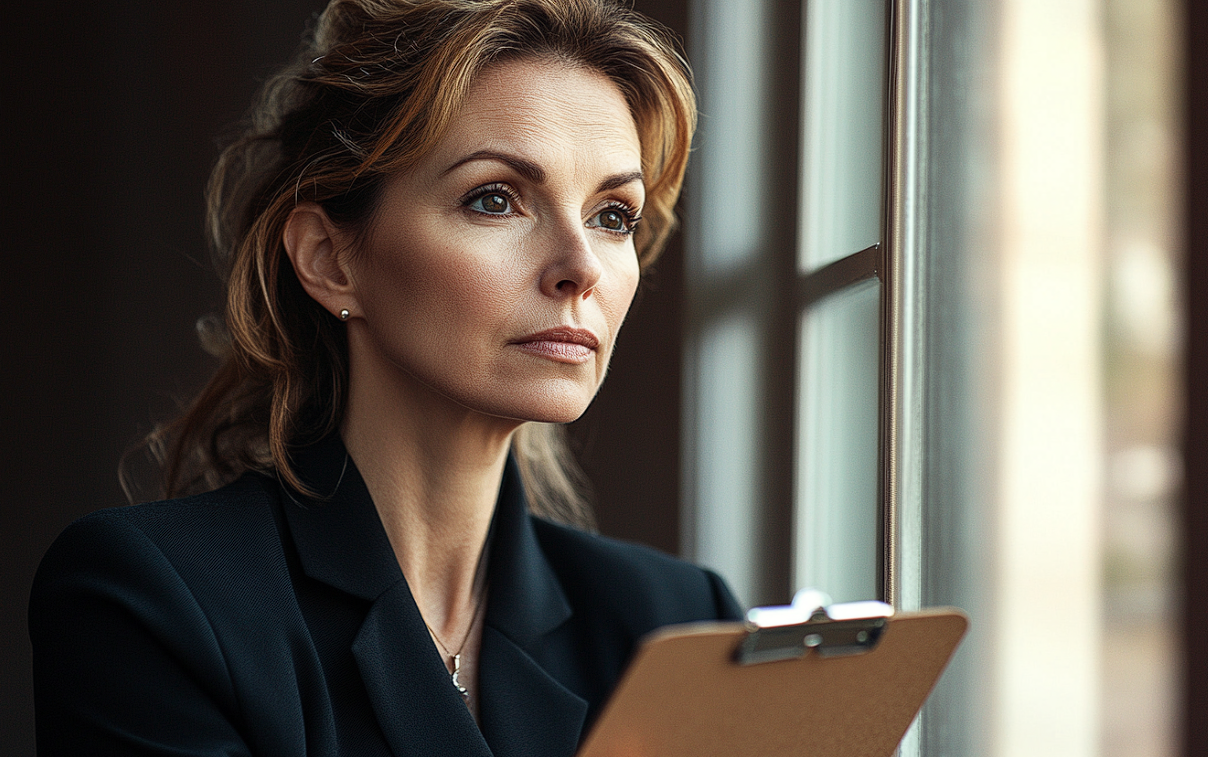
251 621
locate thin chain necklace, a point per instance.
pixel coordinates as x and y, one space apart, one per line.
455 657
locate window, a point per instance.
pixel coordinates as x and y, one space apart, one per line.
896 267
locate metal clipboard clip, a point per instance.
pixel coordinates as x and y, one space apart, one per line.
812 623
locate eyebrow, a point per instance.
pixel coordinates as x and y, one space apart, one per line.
620 180
526 168
535 173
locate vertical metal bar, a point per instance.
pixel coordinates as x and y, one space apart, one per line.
891 299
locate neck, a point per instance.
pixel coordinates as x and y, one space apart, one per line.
433 469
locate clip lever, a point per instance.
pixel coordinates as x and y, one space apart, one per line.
811 622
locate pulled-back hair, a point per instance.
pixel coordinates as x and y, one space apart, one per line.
372 91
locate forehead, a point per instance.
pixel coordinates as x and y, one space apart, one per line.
545 110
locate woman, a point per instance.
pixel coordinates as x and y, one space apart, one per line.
431 231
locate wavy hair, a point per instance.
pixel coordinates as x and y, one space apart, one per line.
372 90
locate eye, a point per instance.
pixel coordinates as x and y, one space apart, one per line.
492 203
612 220
619 219
493 200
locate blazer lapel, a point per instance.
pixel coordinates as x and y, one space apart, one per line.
339 536
416 705
341 542
524 710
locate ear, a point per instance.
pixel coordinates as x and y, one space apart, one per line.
313 244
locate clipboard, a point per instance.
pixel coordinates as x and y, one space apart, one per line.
808 680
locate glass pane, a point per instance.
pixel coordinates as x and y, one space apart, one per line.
726 455
836 547
735 224
842 119
731 155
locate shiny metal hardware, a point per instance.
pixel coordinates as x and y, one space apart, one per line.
812 623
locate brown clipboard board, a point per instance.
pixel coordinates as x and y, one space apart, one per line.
824 688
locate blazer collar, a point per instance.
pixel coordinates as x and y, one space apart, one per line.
340 541
524 709
526 600
338 535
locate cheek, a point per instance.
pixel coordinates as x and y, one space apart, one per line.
625 274
403 268
423 290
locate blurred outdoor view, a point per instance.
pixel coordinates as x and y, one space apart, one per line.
1139 655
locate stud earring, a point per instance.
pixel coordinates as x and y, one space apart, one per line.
344 314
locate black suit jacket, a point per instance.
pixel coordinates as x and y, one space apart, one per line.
251 621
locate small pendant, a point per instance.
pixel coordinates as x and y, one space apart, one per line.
465 693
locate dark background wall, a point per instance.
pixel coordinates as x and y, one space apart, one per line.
111 114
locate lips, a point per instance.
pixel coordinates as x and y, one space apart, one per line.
563 344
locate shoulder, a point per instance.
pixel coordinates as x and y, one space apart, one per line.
646 586
235 519
249 495
166 603
191 551
188 573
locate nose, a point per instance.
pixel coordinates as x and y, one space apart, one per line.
573 269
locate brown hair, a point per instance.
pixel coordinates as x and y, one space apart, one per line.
372 91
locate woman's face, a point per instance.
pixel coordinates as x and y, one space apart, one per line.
498 270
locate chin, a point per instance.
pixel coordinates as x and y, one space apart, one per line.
544 406
558 417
